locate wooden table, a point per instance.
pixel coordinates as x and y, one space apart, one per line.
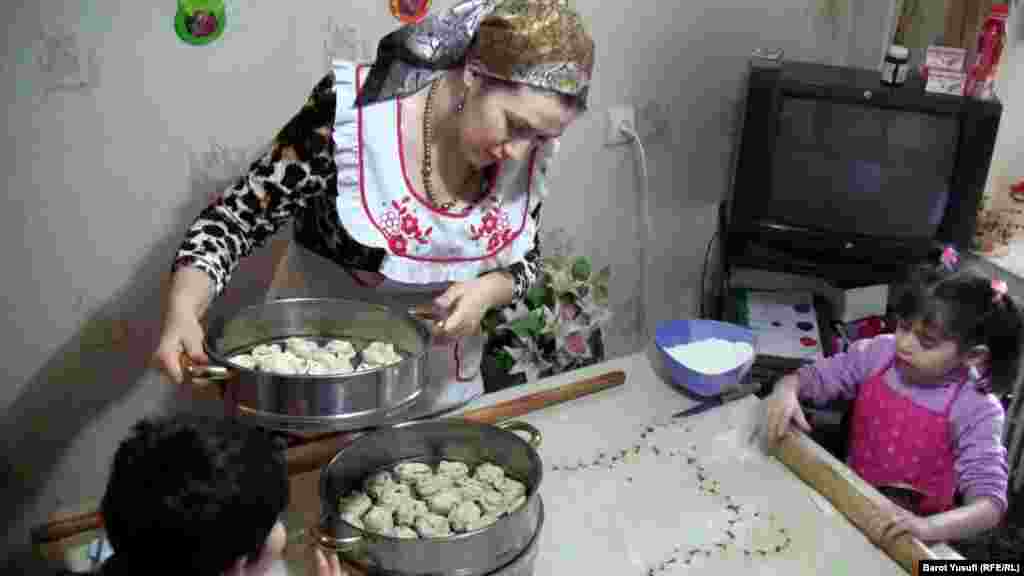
581 537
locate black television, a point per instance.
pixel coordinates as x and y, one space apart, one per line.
841 177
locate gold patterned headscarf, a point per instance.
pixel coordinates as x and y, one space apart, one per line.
540 43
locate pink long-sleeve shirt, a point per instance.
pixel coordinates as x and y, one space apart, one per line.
976 418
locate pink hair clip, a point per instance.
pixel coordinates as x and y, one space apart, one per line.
999 289
950 258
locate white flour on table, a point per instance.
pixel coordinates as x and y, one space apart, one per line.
712 356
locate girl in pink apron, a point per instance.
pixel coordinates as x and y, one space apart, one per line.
926 417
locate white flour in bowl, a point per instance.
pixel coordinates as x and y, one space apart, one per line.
712 356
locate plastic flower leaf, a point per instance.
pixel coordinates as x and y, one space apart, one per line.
581 269
562 281
515 312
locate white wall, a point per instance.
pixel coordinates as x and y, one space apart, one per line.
102 180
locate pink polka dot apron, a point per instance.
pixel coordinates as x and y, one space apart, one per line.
895 441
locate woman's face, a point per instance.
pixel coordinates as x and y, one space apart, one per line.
502 121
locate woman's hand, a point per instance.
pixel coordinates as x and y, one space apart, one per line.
468 302
329 565
891 521
182 332
783 407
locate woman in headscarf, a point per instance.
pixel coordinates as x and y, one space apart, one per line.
417 180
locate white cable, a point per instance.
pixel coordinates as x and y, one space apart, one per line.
648 224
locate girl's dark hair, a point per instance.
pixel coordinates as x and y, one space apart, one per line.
964 306
192 495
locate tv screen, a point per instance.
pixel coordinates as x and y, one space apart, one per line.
862 170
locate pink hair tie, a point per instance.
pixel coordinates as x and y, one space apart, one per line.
950 258
999 289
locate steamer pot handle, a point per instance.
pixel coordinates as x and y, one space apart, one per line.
201 376
519 425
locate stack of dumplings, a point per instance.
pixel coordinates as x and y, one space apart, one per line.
415 501
305 356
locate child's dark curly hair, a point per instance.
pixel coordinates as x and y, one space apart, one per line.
191 494
964 305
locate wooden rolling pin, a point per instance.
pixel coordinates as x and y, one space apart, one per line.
801 455
313 456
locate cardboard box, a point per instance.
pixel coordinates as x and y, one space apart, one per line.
945 58
946 82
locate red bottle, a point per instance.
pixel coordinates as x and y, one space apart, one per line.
991 38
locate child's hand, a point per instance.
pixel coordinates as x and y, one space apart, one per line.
892 521
781 408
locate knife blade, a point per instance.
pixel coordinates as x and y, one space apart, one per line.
715 402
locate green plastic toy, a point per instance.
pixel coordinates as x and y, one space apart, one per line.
200 22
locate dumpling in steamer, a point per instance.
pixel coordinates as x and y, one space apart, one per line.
493 502
315 368
353 520
410 472
380 354
464 515
405 532
301 347
427 486
483 522
266 350
341 348
244 360
433 526
376 483
452 470
489 473
379 519
443 502
510 488
394 494
470 488
356 504
408 511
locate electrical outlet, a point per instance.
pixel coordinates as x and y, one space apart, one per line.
617 117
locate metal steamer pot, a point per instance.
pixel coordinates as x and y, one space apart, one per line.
467 554
314 401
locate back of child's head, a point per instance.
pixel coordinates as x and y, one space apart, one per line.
190 495
969 308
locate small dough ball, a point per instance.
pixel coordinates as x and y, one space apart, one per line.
380 519
243 360
516 504
433 526
427 486
405 532
394 494
409 472
356 503
408 511
323 357
493 502
453 469
266 350
443 502
276 363
341 348
470 488
353 520
512 489
301 347
483 522
463 515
